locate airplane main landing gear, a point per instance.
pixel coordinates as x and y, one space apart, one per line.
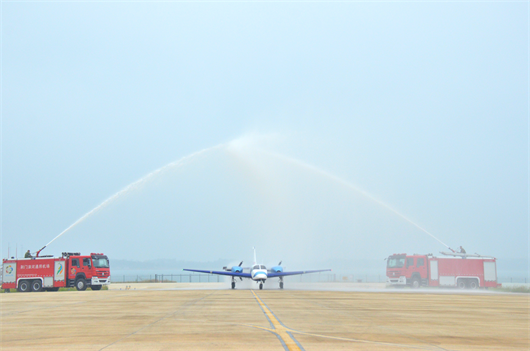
281 283
233 283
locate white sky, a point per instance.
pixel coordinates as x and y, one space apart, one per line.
423 105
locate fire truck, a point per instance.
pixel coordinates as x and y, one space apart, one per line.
463 271
48 273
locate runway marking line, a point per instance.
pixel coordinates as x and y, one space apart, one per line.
289 342
283 333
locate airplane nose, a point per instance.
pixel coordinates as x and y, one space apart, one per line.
261 274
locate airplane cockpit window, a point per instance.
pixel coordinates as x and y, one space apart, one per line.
255 267
262 267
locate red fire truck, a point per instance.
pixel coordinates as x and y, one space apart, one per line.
51 273
461 271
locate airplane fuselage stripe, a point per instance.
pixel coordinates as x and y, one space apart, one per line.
259 275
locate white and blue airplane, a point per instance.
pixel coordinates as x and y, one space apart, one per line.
258 272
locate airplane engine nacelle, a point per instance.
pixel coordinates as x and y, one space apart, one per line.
237 269
277 269
234 269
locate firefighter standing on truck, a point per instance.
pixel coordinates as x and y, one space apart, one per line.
28 255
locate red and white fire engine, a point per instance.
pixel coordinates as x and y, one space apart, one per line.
51 273
463 271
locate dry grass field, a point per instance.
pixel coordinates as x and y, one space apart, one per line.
262 320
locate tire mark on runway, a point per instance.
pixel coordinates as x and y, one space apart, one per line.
179 309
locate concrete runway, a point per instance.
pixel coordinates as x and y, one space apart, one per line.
212 317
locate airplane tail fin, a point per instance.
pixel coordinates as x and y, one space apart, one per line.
255 261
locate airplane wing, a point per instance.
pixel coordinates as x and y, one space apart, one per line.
232 274
283 274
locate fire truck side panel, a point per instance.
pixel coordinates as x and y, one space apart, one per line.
48 282
32 269
60 267
450 270
490 274
470 272
9 274
490 271
433 270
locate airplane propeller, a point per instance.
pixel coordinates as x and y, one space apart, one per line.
240 263
279 264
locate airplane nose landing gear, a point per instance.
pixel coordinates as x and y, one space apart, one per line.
233 283
281 282
260 286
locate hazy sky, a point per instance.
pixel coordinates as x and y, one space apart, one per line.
422 105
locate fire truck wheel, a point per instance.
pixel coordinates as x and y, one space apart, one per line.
80 284
23 286
415 283
461 284
36 285
96 287
473 284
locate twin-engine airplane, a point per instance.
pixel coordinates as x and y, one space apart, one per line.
258 273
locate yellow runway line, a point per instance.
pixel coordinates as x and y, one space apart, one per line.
369 341
288 341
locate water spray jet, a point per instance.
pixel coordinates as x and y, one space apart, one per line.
235 146
134 185
348 185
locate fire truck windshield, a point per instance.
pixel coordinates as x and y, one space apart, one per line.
100 262
396 261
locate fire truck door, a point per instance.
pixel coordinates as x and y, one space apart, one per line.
74 268
434 270
421 267
87 265
409 266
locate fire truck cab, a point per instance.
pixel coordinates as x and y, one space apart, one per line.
407 270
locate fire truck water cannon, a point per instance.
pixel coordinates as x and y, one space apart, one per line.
38 252
460 270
